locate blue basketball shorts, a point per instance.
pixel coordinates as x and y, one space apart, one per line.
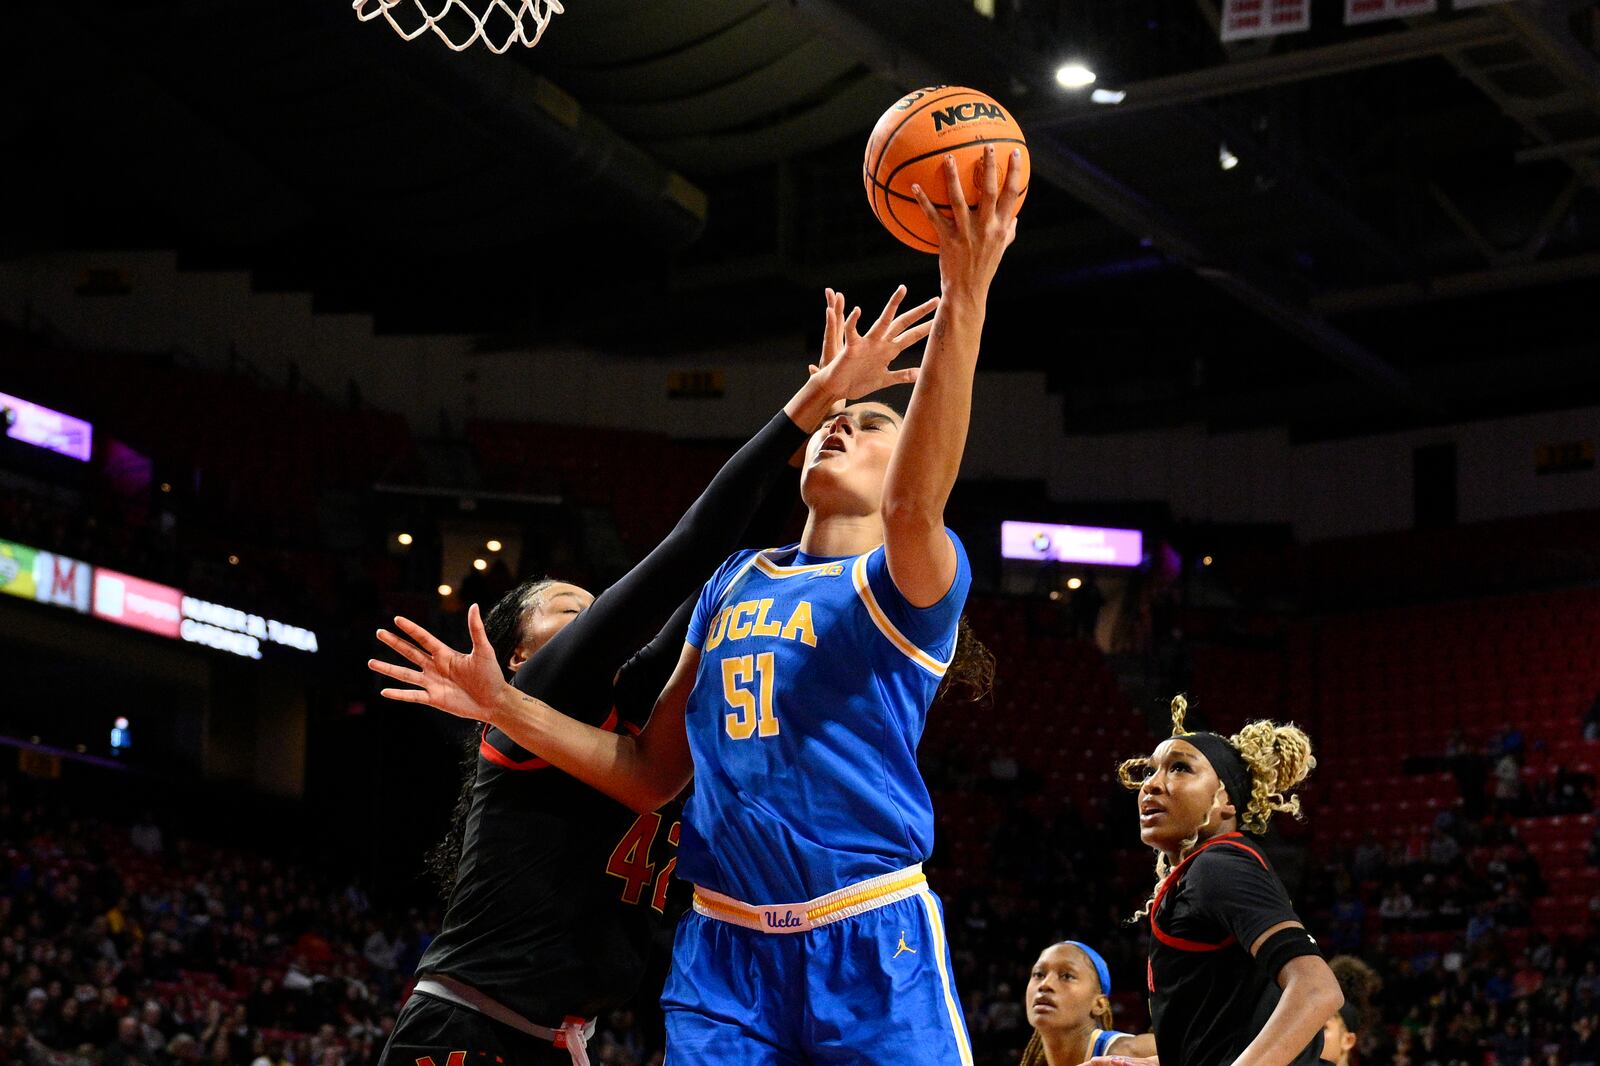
860 976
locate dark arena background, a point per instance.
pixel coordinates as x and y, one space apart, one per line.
1291 383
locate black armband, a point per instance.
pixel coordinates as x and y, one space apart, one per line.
1283 947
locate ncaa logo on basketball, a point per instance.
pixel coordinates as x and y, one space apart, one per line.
956 113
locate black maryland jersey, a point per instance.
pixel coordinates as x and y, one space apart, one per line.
559 887
1208 998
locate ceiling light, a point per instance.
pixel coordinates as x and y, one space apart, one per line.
404 539
1074 76
494 545
1207 561
1108 96
480 564
445 590
1074 583
1226 159
233 560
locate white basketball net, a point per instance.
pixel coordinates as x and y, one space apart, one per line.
501 23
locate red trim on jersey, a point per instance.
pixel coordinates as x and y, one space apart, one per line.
1232 841
501 759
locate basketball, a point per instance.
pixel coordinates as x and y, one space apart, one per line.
908 146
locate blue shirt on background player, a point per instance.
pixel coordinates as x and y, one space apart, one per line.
813 687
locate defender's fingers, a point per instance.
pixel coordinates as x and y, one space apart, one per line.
480 636
404 695
429 643
906 318
889 311
912 336
404 647
399 673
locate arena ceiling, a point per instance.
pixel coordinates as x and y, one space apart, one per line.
1412 231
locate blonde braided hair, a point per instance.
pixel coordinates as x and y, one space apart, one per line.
1278 757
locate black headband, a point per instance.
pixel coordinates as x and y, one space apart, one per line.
1351 1016
1227 762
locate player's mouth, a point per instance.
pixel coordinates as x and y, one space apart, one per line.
1044 1005
833 444
1150 813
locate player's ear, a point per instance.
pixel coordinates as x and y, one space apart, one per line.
518 657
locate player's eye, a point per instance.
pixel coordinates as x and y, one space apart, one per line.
1180 765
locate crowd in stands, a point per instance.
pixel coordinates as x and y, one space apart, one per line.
122 946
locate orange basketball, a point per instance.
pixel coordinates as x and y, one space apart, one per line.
908 146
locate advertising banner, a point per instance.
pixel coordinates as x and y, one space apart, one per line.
1071 544
131 601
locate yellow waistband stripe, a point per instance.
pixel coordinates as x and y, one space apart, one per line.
799 917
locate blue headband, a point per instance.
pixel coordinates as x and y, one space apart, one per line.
1100 968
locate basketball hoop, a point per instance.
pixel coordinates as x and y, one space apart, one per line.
499 24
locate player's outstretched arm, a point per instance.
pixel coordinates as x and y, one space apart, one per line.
927 458
642 772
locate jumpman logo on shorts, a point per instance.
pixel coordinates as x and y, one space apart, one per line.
903 947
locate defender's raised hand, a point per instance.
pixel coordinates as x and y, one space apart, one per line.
466 685
854 364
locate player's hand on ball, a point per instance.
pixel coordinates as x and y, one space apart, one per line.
973 239
853 363
463 684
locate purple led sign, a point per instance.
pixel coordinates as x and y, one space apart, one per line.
1071 544
40 426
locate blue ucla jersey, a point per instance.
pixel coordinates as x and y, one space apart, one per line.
814 684
1102 1039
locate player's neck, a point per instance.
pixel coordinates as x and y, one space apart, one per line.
1068 1047
841 534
